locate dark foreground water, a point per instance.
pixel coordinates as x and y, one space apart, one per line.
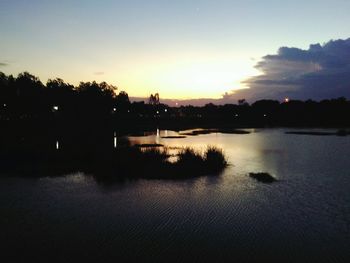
305 217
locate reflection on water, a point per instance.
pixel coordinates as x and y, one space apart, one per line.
305 216
115 140
57 145
157 137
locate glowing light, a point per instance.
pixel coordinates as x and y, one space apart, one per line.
5 105
166 110
209 78
265 115
114 109
57 145
157 112
55 108
186 76
286 100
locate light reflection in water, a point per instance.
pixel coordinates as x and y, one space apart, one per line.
115 140
240 150
158 136
302 212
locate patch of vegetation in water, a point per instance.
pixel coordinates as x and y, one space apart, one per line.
209 131
174 137
343 132
340 132
153 163
214 158
199 132
263 177
318 133
147 161
233 131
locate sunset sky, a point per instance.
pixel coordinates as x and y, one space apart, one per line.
182 49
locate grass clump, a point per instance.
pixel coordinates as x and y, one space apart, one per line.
154 155
194 163
188 156
214 159
124 162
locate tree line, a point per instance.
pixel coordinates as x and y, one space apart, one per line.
25 97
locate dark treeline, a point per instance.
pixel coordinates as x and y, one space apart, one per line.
25 99
61 125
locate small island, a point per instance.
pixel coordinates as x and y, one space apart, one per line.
146 161
263 177
155 163
340 132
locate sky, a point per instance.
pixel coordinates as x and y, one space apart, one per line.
183 49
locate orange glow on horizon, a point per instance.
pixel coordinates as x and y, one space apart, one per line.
191 80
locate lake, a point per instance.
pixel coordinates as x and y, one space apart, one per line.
305 216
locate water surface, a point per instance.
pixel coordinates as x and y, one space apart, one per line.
304 216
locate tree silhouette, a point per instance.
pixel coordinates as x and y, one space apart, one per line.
95 99
154 99
122 101
61 95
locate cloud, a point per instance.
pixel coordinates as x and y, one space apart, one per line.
3 64
320 72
